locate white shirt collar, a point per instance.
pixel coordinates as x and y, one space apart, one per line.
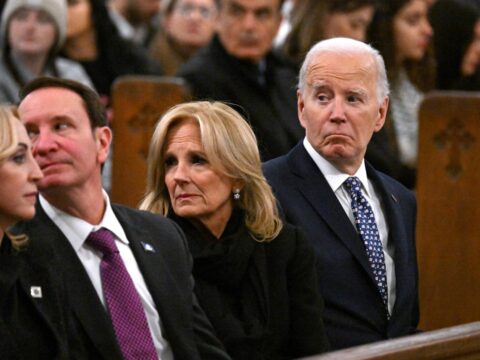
335 177
77 230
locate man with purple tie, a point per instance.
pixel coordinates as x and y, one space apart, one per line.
128 273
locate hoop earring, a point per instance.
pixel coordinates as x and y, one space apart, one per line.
236 194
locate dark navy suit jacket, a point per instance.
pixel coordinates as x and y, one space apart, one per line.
354 312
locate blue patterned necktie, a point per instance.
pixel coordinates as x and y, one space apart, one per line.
368 231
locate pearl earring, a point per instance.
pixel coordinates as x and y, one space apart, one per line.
236 194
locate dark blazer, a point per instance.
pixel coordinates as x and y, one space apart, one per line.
261 298
167 273
271 109
34 322
354 313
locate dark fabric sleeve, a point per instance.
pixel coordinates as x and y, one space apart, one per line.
307 334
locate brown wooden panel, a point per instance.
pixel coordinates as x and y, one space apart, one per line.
448 194
138 102
460 342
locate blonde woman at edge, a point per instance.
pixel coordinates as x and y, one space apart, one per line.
255 276
33 317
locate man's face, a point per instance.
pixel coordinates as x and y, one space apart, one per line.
339 108
247 27
68 152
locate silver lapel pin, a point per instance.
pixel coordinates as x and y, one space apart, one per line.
36 292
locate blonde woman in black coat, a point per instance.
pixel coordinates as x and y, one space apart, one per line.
255 276
33 318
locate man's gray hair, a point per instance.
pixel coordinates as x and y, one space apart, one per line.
347 46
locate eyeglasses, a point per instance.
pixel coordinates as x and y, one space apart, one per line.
187 10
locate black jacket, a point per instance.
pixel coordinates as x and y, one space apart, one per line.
270 108
261 298
166 268
35 317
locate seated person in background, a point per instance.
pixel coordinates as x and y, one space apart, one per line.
254 275
314 20
135 20
32 33
238 67
187 25
456 25
402 33
94 42
360 222
128 273
33 321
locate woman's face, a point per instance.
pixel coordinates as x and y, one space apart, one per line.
79 18
18 177
471 58
412 31
352 24
192 22
31 32
197 191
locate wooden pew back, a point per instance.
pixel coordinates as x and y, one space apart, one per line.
448 221
460 342
138 103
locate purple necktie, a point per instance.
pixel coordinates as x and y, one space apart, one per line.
368 231
122 299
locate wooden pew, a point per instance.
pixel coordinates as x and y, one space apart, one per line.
138 103
461 342
448 221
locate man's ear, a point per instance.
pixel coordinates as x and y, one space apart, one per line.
103 137
300 107
382 114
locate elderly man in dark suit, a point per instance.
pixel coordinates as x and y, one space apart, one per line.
238 67
128 273
360 221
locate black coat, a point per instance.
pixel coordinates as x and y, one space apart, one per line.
261 298
34 320
271 109
167 273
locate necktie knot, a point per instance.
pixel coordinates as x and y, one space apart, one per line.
103 241
354 186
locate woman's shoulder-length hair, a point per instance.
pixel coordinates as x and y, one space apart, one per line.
231 148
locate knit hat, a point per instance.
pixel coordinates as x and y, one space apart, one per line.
57 9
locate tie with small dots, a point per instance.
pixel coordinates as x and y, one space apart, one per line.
368 231
122 299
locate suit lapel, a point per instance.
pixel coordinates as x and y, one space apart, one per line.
81 293
318 193
35 282
154 268
396 234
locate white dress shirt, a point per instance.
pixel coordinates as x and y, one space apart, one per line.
335 179
77 230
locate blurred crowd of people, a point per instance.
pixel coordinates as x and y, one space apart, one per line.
258 188
248 59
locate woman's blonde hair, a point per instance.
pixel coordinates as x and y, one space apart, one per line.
8 132
8 146
231 149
